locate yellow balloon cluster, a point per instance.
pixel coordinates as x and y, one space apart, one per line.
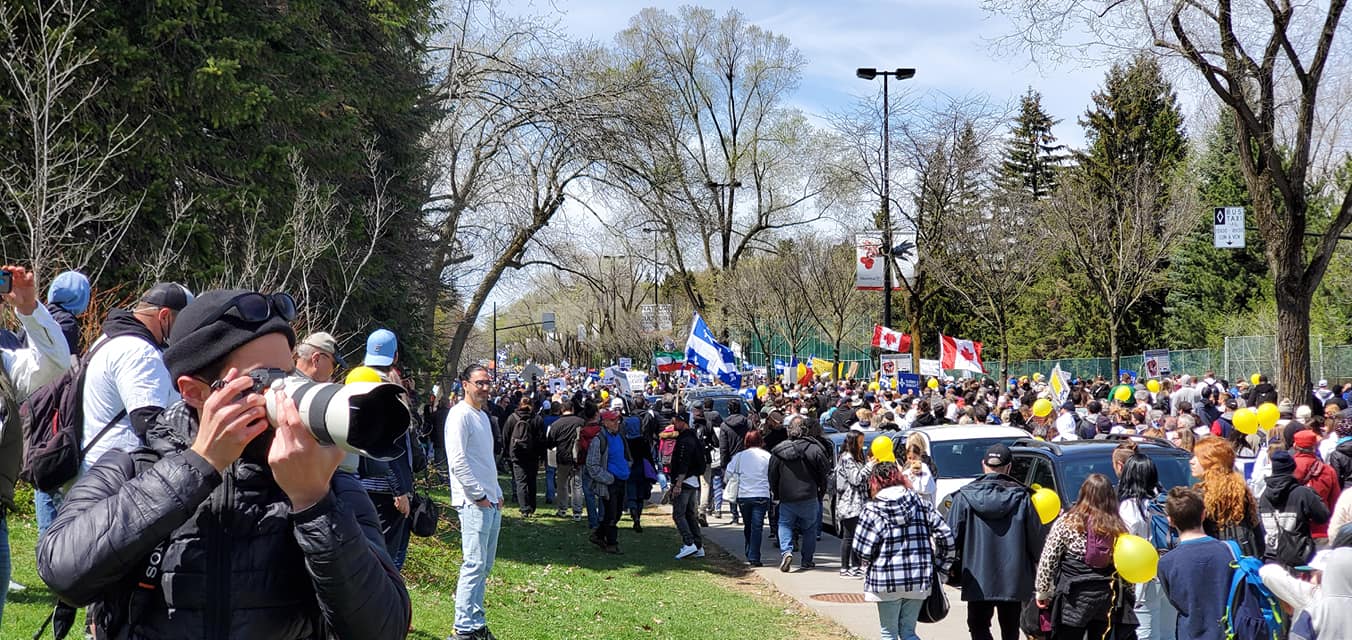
1153 386
1046 503
1268 415
882 449
362 374
1042 407
1246 420
1135 558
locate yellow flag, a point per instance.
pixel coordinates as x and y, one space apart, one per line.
821 367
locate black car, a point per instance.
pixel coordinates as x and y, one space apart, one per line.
720 395
1063 466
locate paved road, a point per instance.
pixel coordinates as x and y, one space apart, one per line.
861 619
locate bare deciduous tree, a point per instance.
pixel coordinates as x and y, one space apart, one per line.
57 193
827 286
1120 238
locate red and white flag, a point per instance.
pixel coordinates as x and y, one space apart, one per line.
885 338
963 355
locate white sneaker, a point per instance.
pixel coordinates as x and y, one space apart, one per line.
15 587
786 562
700 553
686 551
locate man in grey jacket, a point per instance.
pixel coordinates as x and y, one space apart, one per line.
226 525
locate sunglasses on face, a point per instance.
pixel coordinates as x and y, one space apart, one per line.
481 383
257 307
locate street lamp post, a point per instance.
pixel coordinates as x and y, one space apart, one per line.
655 281
900 74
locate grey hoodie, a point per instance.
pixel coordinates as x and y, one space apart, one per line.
1330 614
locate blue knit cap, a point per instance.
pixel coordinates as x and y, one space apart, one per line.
70 291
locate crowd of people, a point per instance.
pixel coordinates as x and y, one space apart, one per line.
199 502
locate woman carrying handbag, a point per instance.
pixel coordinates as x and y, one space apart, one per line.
908 549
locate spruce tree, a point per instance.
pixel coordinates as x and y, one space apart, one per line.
1032 154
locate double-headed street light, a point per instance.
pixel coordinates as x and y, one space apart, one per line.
868 73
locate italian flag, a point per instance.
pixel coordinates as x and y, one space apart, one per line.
668 361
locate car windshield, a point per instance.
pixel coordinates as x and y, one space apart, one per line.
1173 472
962 458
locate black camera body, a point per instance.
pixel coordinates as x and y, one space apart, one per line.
263 379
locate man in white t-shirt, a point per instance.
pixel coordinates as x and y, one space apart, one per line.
477 497
1066 422
126 383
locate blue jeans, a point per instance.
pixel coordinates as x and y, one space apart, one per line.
549 483
46 504
798 517
753 521
589 499
1157 616
897 618
479 527
717 494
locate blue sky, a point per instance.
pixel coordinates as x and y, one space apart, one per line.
946 41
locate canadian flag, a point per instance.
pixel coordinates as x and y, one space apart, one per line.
963 355
885 338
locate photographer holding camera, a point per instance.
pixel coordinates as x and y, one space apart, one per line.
228 524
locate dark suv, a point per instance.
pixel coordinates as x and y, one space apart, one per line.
1063 466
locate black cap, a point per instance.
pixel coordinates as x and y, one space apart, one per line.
998 455
197 341
680 415
169 295
1068 405
1283 463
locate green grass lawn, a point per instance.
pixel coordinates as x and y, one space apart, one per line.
549 582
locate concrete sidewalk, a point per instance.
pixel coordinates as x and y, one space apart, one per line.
860 618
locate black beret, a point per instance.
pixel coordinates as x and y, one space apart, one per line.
196 340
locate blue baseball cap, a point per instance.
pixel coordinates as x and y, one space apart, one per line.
381 347
70 291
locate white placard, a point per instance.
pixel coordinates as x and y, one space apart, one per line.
1228 232
930 368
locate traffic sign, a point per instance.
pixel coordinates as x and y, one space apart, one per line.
1228 232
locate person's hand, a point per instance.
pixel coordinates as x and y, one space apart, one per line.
401 505
229 421
483 502
23 296
302 467
675 489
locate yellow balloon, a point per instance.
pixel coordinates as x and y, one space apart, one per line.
933 383
1136 559
1047 504
762 391
362 374
605 395
882 449
1123 394
873 386
1253 379
1268 415
1153 386
1246 420
1042 407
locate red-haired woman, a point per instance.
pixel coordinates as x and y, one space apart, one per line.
1231 510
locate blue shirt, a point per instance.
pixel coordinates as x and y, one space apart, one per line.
1196 578
615 462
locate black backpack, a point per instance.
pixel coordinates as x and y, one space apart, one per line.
54 428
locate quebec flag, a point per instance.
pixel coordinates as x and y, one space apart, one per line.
706 354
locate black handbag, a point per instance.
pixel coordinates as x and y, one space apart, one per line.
423 515
935 607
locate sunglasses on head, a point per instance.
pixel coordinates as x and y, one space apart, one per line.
257 307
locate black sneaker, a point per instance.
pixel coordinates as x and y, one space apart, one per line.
703 521
596 540
638 528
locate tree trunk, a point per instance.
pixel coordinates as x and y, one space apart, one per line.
835 361
1293 339
1114 356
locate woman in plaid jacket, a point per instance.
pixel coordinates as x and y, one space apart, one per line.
904 542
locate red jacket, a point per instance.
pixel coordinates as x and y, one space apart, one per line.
1320 478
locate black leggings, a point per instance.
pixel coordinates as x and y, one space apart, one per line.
1094 631
847 557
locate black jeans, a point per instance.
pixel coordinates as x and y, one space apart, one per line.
847 558
611 508
524 473
393 525
979 619
1094 631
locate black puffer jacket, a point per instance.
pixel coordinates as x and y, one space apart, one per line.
237 562
798 470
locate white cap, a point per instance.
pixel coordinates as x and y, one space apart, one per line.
1323 383
616 403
